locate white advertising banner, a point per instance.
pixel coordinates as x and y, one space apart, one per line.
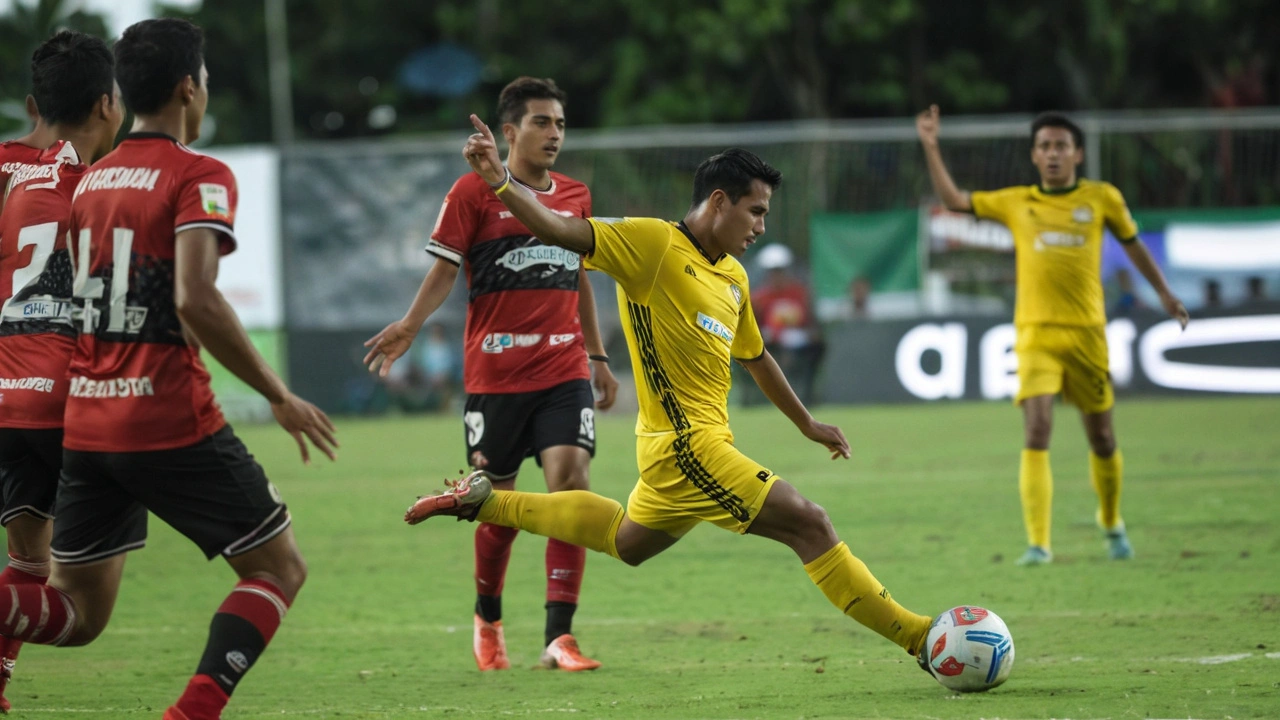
250 276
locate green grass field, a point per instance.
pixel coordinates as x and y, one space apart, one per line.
723 626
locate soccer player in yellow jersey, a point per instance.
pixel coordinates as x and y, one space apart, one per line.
686 308
1061 327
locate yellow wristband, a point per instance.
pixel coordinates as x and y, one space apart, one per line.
505 184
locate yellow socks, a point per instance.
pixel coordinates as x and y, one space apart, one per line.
1106 475
850 586
1035 483
577 517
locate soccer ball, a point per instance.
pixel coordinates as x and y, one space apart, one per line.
968 649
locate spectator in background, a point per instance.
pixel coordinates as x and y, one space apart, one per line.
785 315
1212 294
859 295
1126 300
440 366
1257 290
425 382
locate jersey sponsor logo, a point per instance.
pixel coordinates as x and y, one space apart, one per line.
38 384
715 327
119 178
215 200
561 339
688 270
112 388
526 257
495 343
1082 214
1053 238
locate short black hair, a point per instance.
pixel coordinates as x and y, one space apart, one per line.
70 72
1058 120
152 57
732 171
514 98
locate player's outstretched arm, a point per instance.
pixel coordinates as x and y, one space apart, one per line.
1141 257
571 233
206 314
955 199
395 339
602 378
765 371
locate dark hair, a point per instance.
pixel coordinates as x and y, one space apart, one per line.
732 171
70 73
514 98
152 57
1058 120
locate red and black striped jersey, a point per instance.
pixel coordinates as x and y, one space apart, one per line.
136 382
36 336
523 332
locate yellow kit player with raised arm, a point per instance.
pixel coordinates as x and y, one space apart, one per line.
687 311
1057 228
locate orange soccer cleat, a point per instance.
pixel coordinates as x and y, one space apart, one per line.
462 498
489 645
563 654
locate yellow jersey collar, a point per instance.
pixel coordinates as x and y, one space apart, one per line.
689 234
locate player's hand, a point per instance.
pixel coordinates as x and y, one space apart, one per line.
829 436
605 383
1176 310
481 152
299 417
388 346
927 124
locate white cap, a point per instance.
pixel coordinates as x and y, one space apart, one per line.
774 256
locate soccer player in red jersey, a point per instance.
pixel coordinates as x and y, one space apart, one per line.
142 432
74 81
531 327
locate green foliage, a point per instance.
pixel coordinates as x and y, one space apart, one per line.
627 62
722 626
21 32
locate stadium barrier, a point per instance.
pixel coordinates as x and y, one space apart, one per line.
971 358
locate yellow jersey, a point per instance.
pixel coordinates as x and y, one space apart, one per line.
1057 236
685 318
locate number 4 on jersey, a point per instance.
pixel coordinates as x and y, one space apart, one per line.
90 289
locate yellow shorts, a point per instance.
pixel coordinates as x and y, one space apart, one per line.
695 477
1065 359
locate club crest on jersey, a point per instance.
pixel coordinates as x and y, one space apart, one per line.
715 327
526 257
736 292
1082 214
215 200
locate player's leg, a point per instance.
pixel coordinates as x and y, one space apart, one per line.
29 464
1088 387
564 438
97 524
216 494
1040 378
497 441
802 525
1035 478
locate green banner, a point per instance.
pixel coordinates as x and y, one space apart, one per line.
241 403
878 246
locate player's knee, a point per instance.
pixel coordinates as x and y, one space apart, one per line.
814 527
578 479
1103 442
1038 433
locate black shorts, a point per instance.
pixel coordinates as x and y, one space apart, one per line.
29 464
213 492
508 427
